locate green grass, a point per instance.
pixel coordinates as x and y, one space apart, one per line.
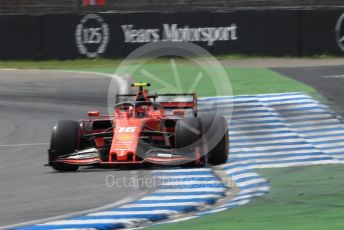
300 198
106 63
243 80
55 64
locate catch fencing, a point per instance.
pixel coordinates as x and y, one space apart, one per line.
96 6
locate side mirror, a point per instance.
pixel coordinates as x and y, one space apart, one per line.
178 112
93 113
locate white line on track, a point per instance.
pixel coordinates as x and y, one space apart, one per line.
94 221
293 164
337 150
202 189
257 141
334 76
177 197
26 144
193 182
269 148
181 177
245 175
160 205
112 213
250 182
168 171
235 203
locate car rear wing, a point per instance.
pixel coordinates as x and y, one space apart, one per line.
169 104
180 104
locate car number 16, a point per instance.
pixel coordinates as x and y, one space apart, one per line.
126 129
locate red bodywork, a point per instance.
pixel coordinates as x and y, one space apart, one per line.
140 131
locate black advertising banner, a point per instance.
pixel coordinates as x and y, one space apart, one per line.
58 36
260 32
142 28
319 33
114 35
19 36
114 47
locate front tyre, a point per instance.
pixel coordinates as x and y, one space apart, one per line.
65 139
189 140
217 138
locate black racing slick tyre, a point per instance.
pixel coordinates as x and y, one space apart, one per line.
188 136
217 138
65 139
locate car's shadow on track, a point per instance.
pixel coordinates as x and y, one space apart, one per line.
147 167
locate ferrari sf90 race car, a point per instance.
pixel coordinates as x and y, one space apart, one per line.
141 131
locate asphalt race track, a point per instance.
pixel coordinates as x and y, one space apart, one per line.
328 80
31 102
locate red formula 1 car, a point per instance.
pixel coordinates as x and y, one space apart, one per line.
141 131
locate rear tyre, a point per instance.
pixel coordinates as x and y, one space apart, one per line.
65 139
217 138
188 139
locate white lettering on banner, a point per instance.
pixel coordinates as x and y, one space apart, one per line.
175 34
140 35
